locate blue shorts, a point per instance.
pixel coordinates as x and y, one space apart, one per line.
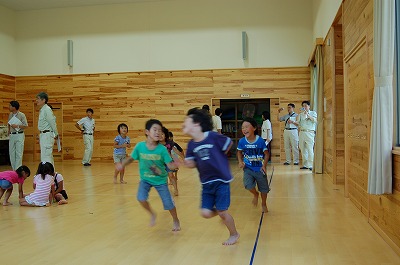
5 184
216 196
251 178
163 191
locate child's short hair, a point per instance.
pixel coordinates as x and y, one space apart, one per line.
306 102
202 117
23 169
90 110
151 122
266 115
122 125
292 105
218 111
252 122
45 168
166 133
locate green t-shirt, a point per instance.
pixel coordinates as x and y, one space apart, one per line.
152 163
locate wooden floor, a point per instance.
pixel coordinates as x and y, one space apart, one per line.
310 222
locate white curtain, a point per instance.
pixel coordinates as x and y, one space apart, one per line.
380 155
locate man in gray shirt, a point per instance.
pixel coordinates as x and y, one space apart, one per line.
47 127
17 123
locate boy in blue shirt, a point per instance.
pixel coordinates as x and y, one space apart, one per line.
153 157
207 151
251 154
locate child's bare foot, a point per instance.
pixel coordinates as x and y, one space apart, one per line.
265 209
7 203
48 204
62 202
231 240
153 219
176 226
176 193
115 180
123 182
255 200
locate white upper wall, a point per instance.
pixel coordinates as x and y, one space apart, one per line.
324 12
167 35
7 42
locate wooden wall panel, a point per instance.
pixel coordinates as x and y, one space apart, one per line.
339 106
357 125
382 211
330 106
7 88
334 108
133 98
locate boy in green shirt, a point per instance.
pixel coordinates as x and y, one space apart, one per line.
153 157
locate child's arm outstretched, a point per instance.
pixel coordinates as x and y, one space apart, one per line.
121 166
190 163
20 190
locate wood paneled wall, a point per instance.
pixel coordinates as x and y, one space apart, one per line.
383 212
7 89
133 98
334 108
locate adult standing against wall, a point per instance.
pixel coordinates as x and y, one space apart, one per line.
290 135
17 123
307 121
87 131
216 119
47 127
266 132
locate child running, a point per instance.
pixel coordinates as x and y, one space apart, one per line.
207 151
43 183
180 155
173 151
153 157
8 178
251 154
121 142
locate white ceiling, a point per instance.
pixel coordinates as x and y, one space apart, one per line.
20 5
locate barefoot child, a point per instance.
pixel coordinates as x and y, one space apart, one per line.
153 157
121 142
60 193
43 183
207 151
252 151
8 178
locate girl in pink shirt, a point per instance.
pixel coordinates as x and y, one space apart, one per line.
43 183
8 178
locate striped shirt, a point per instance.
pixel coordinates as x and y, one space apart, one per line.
42 189
88 124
